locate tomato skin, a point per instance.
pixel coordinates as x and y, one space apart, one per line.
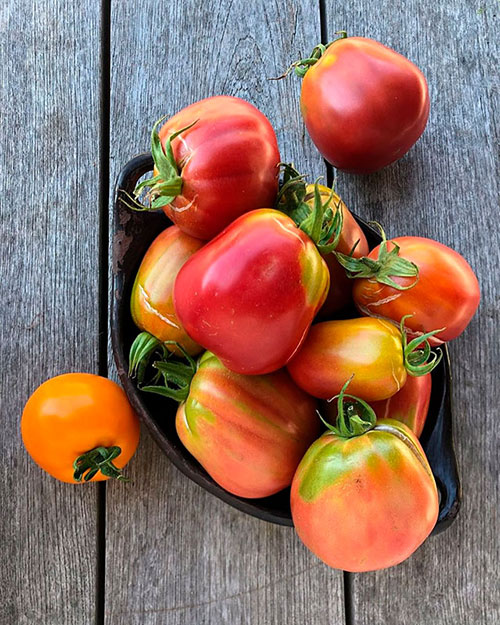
367 502
250 295
363 104
333 351
409 405
151 302
249 433
446 294
73 413
340 292
228 162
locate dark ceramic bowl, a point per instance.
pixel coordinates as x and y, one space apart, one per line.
133 233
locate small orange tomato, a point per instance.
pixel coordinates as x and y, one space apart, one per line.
80 425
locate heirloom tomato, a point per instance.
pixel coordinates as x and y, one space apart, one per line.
151 303
372 350
80 426
250 295
364 105
248 432
364 497
214 160
443 291
299 201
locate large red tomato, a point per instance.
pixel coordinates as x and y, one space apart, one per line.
363 104
250 294
151 302
214 161
249 433
372 350
446 294
364 497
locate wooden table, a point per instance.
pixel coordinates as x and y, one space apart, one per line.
81 86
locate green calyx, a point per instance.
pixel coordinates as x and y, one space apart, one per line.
302 66
415 357
100 459
353 419
387 264
323 223
167 184
171 376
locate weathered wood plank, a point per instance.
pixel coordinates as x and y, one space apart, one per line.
445 188
194 560
49 164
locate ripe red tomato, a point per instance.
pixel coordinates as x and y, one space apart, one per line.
223 164
249 433
80 418
364 502
409 405
363 104
250 295
151 302
371 350
446 294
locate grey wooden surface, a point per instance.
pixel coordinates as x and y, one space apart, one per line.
174 554
49 154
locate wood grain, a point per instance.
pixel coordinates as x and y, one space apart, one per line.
445 188
174 553
49 89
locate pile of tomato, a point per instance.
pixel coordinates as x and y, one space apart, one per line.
264 313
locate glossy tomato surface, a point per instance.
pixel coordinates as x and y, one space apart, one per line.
409 405
365 503
363 104
151 302
228 162
370 349
250 294
445 296
248 432
73 413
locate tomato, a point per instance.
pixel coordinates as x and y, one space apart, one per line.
371 350
80 418
224 163
352 238
364 105
445 295
249 433
409 405
250 295
364 500
151 302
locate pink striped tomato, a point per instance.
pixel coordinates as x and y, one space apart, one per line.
250 295
364 497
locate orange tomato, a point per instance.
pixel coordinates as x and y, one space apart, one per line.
76 413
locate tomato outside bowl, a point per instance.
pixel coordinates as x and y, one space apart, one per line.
133 232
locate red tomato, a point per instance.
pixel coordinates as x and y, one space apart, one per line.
250 295
365 502
371 350
151 302
249 433
224 165
446 294
409 405
363 104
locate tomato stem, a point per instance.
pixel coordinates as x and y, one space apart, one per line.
416 360
100 459
354 419
173 376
